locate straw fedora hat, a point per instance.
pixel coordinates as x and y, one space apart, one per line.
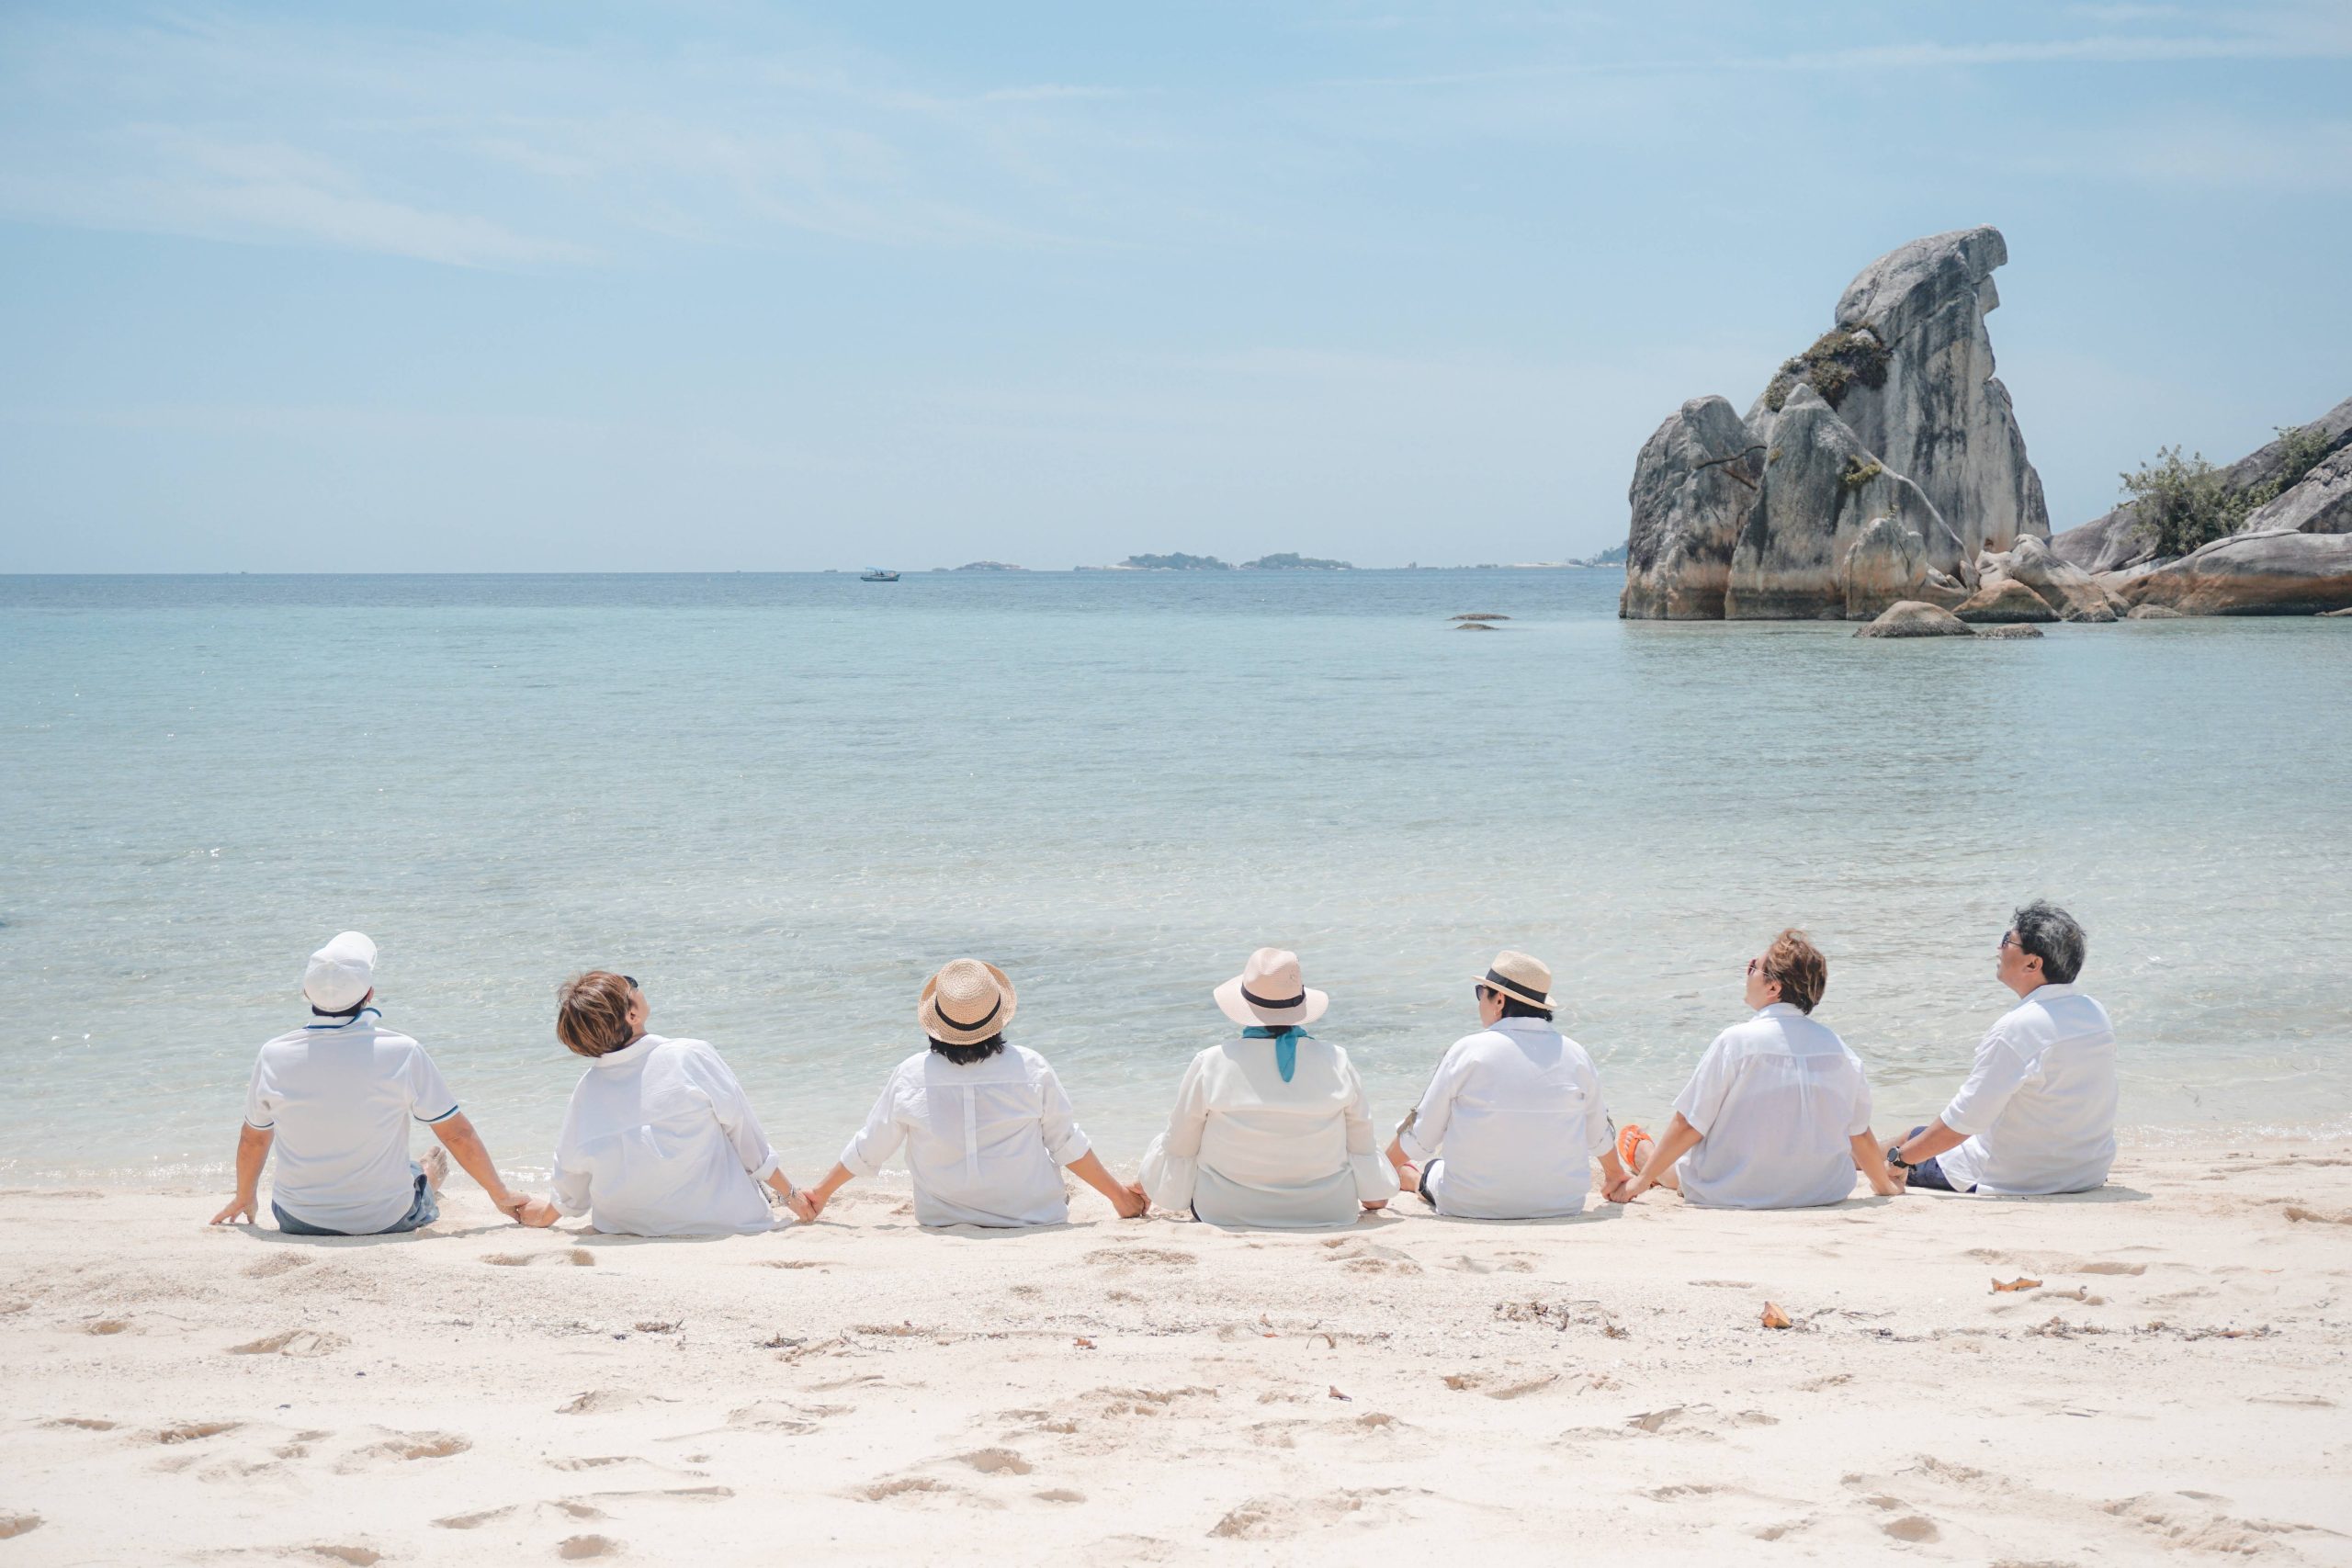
1268 991
967 1002
1522 978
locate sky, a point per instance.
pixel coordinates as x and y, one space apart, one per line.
708 286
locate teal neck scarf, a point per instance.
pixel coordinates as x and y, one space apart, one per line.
1286 1045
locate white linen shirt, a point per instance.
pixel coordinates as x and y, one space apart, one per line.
1244 1148
339 1097
985 1141
1513 1119
1777 1101
2038 1105
660 1140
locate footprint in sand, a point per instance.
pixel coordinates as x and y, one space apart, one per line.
193 1431
1158 1257
357 1556
996 1462
304 1344
579 1548
85 1423
1913 1527
1059 1494
401 1447
272 1267
108 1326
471 1521
578 1257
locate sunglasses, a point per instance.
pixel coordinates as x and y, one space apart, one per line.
632 981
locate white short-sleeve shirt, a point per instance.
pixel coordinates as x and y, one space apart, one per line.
1513 1119
660 1140
1777 1101
1246 1147
2038 1105
985 1141
339 1098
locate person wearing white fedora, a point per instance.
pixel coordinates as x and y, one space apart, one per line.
1270 1129
335 1099
986 1125
1511 1122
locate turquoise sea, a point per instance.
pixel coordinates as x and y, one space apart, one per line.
781 801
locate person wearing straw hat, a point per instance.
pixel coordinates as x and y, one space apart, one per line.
1271 1128
986 1126
1510 1123
334 1099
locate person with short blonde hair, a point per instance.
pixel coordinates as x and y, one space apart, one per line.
1778 1113
659 1139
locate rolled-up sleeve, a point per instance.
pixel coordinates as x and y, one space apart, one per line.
1998 1073
1171 1166
732 1107
1859 1122
879 1138
570 1191
1422 1138
1600 1132
1376 1177
1065 1139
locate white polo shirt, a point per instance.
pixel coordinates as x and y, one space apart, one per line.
1246 1147
985 1141
1513 1119
2038 1105
339 1097
1776 1100
660 1140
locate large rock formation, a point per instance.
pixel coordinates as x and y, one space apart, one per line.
1889 459
1910 618
2067 589
2275 573
1693 486
2117 540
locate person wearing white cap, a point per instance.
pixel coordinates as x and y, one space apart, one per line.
335 1099
987 1128
1511 1122
1270 1129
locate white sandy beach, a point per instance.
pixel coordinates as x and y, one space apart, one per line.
861 1391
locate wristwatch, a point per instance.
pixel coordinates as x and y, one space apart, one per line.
1894 1159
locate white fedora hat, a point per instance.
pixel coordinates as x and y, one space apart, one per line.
967 1002
1268 991
340 974
1522 978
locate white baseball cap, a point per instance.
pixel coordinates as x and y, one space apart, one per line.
341 973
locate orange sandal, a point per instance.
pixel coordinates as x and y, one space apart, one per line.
1630 1139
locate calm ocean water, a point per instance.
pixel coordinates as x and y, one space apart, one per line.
781 801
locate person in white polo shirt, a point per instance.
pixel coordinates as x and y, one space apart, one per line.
334 1099
1510 1123
1778 1113
2037 1115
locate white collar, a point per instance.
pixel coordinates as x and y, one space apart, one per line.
1780 1009
2048 990
1547 1025
629 1055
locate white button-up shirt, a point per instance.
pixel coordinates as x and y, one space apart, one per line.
985 1141
339 1097
2038 1105
660 1140
1513 1119
1245 1148
1777 1101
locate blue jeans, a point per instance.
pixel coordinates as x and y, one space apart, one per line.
423 1211
1928 1173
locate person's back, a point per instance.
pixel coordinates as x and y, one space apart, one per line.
1275 1151
1778 1100
339 1099
985 1140
660 1140
2040 1107
1513 1116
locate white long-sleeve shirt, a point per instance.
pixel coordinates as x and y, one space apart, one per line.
985 1142
1245 1148
660 1140
1777 1101
2038 1105
1513 1119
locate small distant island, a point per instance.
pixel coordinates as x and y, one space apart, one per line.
985 566
1287 560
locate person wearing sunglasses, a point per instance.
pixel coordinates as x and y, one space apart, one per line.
659 1139
1778 1113
2037 1115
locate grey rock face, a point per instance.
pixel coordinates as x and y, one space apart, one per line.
1822 489
2277 572
2066 587
1910 618
2005 600
1693 486
2009 629
2151 613
2322 503
1903 386
1941 417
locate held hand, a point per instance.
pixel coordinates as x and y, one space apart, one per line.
240 1206
803 1206
536 1213
815 1199
1131 1203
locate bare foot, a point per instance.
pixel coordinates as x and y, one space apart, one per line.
437 1166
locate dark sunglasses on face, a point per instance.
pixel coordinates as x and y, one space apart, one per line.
632 981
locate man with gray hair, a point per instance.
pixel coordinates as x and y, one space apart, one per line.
2037 1115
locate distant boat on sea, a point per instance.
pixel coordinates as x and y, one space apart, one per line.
875 574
